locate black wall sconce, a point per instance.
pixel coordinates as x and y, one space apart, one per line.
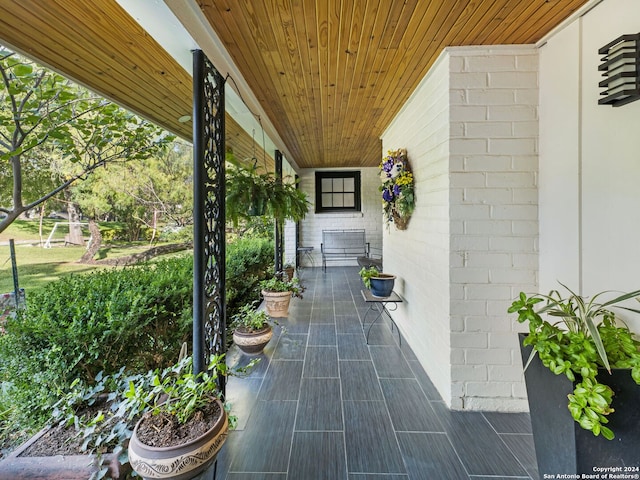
620 67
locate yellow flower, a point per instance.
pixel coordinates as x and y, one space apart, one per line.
405 179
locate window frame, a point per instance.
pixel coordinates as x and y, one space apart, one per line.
350 174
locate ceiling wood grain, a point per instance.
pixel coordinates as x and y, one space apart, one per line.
330 74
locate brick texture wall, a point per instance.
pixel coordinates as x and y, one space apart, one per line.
368 219
471 131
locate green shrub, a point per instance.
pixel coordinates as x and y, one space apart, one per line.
81 325
249 261
84 324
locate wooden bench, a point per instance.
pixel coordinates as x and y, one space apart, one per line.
343 244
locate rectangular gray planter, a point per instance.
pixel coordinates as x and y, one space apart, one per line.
562 446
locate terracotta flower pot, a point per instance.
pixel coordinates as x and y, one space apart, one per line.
252 342
277 303
290 271
180 462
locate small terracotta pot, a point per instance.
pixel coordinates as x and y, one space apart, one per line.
277 303
180 462
290 271
252 342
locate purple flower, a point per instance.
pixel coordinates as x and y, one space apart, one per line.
396 190
388 165
387 195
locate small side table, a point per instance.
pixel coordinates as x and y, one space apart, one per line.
306 252
381 305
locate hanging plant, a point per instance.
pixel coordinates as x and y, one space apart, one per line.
250 193
397 188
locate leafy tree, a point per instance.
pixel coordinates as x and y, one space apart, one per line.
142 193
45 117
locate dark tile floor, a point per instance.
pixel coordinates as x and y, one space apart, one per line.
322 404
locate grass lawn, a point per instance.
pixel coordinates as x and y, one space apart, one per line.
23 230
38 266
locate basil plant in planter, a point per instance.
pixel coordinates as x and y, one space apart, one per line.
277 293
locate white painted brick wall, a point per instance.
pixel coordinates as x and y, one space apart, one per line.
499 216
419 255
369 219
471 133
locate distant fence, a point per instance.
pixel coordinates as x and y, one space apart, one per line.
8 305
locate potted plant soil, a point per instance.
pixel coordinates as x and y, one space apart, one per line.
582 372
87 435
380 284
185 423
180 425
277 294
252 330
84 439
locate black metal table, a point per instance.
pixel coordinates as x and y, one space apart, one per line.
379 305
306 252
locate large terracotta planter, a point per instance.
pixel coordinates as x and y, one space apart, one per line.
252 342
180 462
562 446
277 303
57 467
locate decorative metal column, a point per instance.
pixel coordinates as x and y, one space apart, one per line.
297 180
279 223
209 309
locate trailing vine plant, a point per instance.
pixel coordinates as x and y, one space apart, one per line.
586 337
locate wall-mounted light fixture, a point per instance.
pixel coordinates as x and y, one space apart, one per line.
620 67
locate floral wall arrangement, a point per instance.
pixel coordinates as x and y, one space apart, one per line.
397 188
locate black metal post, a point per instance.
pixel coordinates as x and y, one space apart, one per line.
297 180
14 270
209 308
278 221
198 212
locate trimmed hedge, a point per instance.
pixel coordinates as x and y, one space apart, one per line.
137 316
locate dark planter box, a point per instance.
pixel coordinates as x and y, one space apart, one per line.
562 446
56 467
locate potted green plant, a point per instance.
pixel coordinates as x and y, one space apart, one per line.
249 193
185 422
380 284
252 329
596 362
172 419
85 437
277 294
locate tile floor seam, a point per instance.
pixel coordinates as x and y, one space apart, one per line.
387 407
327 287
344 420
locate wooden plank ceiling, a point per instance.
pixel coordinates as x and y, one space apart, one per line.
331 74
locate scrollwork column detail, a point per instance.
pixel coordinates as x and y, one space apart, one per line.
209 212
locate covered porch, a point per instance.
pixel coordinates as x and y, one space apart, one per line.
324 404
522 180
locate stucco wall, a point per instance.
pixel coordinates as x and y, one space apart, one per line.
589 161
